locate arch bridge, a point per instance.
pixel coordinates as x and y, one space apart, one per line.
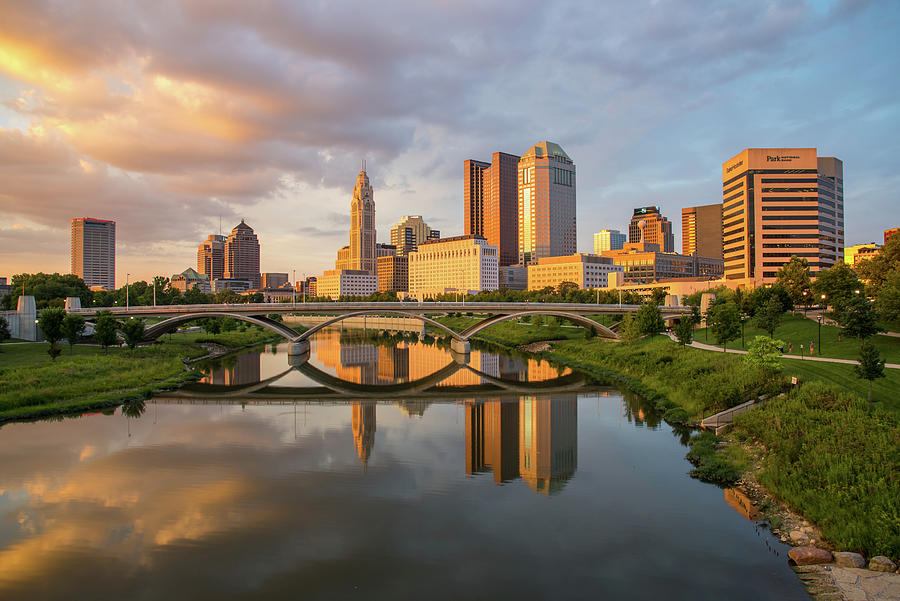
491 313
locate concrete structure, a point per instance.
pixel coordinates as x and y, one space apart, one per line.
346 282
235 284
779 203
94 252
188 279
407 233
242 255
701 230
648 225
384 250
859 252
608 240
676 287
274 280
23 321
274 295
490 203
643 263
546 203
211 257
362 226
4 288
513 277
458 264
393 273
891 232
584 270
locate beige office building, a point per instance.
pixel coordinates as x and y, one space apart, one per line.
393 273
458 264
409 232
608 240
546 178
778 203
94 252
346 282
701 229
587 271
859 252
242 255
211 257
643 263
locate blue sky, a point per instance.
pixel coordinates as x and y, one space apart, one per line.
166 116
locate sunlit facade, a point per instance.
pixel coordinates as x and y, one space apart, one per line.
346 282
608 240
362 226
211 257
94 252
458 264
701 230
490 203
242 255
546 207
584 270
650 226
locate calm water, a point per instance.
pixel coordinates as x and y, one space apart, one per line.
464 490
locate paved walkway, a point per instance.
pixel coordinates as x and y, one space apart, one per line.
709 347
825 583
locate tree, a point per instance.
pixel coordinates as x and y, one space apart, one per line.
72 328
769 316
566 288
888 298
838 283
684 331
211 325
649 319
763 353
858 317
875 271
794 277
48 289
50 322
724 322
628 329
105 330
658 296
870 366
4 330
133 331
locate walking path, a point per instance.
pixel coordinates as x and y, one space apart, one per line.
709 347
827 583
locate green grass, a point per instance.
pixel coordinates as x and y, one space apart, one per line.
834 459
799 330
86 377
885 391
510 333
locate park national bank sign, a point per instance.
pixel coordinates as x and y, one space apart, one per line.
781 158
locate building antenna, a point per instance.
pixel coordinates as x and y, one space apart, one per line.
220 225
363 163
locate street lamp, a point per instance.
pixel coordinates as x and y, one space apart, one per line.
293 286
805 304
743 317
820 333
127 275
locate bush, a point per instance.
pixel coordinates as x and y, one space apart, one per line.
710 466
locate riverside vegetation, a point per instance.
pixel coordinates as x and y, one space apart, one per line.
828 454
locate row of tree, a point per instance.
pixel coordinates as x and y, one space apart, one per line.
58 325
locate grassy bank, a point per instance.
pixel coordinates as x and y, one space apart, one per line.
510 333
86 378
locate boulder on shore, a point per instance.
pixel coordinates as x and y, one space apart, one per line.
804 556
848 559
880 563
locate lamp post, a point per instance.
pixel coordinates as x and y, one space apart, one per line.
805 304
820 335
294 287
127 275
743 317
154 291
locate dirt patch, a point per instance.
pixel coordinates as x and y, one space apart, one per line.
539 346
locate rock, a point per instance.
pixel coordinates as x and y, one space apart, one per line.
797 536
880 563
848 559
804 556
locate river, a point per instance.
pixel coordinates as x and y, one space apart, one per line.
357 475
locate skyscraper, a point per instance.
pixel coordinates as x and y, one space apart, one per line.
211 257
362 225
701 231
608 240
546 177
778 203
409 232
242 255
656 229
490 203
94 251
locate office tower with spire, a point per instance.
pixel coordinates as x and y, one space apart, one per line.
94 252
242 255
211 257
490 203
546 206
362 225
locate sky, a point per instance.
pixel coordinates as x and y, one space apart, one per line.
172 116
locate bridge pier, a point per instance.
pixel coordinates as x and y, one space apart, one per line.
298 347
460 346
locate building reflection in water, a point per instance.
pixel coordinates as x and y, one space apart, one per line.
534 438
234 370
363 426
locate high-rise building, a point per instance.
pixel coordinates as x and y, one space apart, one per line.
242 255
779 203
94 252
546 206
211 257
648 225
363 425
457 264
490 203
701 230
393 273
409 232
583 270
362 225
608 240
274 280
548 441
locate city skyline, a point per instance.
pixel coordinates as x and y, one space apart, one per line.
244 133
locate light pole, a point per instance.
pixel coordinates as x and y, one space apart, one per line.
820 335
127 275
305 286
742 329
294 287
154 291
805 304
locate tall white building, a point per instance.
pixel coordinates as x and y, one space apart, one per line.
608 240
94 252
546 203
458 264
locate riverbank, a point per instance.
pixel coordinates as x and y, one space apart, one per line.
85 378
816 449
